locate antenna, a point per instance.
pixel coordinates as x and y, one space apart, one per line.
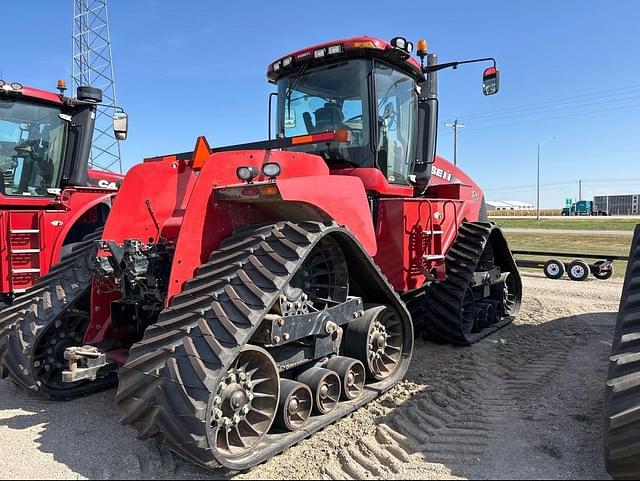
93 66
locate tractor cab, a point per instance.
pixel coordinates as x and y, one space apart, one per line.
365 86
376 91
45 139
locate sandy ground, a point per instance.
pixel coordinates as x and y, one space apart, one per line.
522 404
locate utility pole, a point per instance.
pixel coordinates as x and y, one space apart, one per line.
580 189
455 126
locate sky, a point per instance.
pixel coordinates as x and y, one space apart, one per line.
569 69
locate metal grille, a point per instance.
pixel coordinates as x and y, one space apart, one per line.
93 66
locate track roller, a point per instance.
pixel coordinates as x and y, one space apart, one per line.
352 376
486 315
243 407
326 388
296 403
376 339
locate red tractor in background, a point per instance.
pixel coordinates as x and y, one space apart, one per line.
244 297
49 199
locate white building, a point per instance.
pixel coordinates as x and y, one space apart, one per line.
508 205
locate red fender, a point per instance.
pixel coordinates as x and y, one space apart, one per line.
70 222
308 192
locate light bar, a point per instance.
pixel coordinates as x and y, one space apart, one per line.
287 62
319 53
9 87
334 49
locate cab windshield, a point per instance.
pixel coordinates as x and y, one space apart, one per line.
340 97
32 142
334 97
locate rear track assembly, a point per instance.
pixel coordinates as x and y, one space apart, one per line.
50 317
456 310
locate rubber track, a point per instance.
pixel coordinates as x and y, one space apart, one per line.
28 317
436 309
622 392
165 386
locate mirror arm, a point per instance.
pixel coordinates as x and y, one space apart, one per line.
454 65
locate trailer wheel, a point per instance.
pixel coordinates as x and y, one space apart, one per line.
599 274
578 270
554 269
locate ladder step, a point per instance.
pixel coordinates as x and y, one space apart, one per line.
25 251
433 258
24 231
433 232
25 271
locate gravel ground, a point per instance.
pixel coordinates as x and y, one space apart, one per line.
522 404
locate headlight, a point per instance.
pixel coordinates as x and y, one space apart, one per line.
246 174
271 170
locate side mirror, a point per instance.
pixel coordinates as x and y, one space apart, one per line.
120 125
490 81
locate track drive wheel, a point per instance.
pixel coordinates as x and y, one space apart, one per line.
376 339
243 407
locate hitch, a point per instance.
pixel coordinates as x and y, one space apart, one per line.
84 363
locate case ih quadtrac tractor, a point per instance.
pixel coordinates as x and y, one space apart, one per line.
247 296
49 199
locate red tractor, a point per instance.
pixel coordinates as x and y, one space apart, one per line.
50 199
244 297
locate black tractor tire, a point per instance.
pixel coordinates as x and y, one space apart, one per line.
621 433
578 270
554 269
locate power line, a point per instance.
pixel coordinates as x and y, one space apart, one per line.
565 100
543 119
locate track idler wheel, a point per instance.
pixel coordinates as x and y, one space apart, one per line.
296 403
244 405
326 388
352 376
376 339
510 296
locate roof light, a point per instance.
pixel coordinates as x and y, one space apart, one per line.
363 44
319 53
287 62
422 46
271 170
246 174
409 47
277 66
399 42
334 49
16 86
2 82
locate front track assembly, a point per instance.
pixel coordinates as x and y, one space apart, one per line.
274 338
